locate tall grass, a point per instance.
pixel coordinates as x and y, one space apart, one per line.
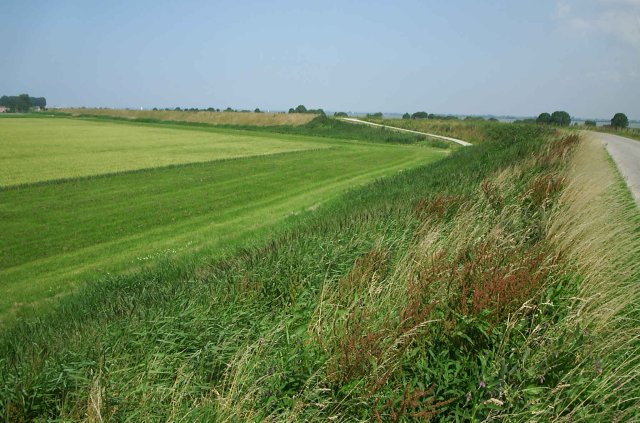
475 132
443 293
597 230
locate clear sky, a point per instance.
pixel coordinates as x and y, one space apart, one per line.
518 57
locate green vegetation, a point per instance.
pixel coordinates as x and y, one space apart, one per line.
334 128
320 126
544 118
43 149
55 234
423 115
590 123
559 118
211 116
22 103
475 132
301 109
459 290
620 120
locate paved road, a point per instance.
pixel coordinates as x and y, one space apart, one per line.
626 153
440 137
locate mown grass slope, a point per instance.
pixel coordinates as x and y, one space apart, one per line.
55 235
38 149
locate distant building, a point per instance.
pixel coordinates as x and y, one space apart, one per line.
3 109
35 109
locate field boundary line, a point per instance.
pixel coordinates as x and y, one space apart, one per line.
394 128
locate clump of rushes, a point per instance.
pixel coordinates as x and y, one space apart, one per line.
459 291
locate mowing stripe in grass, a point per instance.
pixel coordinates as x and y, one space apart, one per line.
57 234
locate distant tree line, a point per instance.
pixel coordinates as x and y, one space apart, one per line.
208 109
562 118
559 118
22 103
302 109
425 115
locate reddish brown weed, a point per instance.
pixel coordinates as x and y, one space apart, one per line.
414 404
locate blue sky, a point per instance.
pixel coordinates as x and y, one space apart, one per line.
466 57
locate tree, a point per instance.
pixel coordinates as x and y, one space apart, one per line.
544 118
229 109
38 102
590 123
257 110
406 116
560 118
301 109
620 120
340 114
420 115
22 102
377 115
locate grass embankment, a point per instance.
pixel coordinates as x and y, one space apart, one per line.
464 289
596 346
475 132
290 123
214 118
319 126
57 234
335 128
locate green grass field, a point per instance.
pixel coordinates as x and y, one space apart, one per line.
35 150
460 290
58 234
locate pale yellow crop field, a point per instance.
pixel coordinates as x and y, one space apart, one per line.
214 118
